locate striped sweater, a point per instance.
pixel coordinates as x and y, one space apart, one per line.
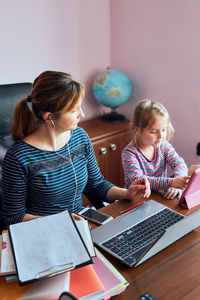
42 182
136 165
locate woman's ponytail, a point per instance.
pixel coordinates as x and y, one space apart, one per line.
52 91
24 119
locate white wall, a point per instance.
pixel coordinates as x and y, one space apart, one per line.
67 35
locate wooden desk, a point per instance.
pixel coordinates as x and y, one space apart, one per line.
172 274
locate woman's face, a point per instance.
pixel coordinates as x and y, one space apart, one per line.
69 120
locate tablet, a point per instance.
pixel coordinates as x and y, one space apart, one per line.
191 195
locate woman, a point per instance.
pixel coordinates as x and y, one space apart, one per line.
52 161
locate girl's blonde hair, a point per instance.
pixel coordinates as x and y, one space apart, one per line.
144 116
53 92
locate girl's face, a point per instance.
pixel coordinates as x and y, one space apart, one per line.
69 120
154 134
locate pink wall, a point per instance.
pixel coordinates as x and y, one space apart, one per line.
157 43
67 35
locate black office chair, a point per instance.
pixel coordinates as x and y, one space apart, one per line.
10 94
67 296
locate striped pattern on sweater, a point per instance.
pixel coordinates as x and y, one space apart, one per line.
136 165
42 182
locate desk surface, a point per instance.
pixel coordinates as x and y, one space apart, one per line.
172 274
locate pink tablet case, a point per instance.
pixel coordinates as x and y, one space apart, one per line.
191 195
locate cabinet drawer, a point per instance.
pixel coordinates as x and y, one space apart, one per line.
108 154
108 140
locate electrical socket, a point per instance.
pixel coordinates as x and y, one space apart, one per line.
198 149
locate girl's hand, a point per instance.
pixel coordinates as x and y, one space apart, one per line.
180 182
139 188
172 193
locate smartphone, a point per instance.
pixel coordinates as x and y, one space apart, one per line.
95 216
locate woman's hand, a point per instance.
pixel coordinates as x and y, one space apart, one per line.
77 217
139 188
172 193
180 182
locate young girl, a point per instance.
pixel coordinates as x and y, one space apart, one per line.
149 153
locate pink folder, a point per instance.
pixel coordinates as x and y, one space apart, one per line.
84 281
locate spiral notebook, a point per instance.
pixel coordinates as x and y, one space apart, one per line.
105 280
113 281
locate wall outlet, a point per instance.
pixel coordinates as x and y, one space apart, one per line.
198 149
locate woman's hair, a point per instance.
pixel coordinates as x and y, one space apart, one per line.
145 113
52 91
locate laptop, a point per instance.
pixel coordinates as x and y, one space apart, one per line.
142 232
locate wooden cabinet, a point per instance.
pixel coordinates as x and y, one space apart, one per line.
108 140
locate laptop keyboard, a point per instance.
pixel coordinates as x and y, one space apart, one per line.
143 234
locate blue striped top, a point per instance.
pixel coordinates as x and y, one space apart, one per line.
40 182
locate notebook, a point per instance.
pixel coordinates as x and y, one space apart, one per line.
47 246
85 284
113 281
7 264
191 195
48 289
104 280
142 232
85 232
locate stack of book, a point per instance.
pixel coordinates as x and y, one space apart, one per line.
37 268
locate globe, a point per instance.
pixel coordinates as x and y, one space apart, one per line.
112 88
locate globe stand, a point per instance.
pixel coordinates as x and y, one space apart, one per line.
113 116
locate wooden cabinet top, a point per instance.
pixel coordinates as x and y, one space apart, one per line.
97 129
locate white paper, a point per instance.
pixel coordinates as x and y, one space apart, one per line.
7 260
46 246
48 289
84 230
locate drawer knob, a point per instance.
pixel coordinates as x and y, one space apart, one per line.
113 147
103 150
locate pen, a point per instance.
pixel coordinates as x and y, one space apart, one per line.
125 210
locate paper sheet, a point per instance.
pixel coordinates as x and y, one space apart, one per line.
83 227
48 289
7 260
46 246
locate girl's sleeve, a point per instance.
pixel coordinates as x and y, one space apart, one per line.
133 170
175 161
97 187
14 187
